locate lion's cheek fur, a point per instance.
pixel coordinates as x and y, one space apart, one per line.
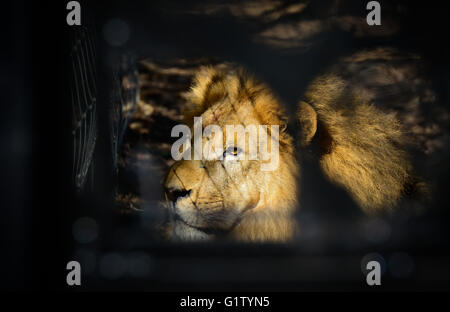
272 219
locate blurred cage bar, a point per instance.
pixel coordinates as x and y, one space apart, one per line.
123 102
84 107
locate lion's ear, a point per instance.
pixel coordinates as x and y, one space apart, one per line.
308 122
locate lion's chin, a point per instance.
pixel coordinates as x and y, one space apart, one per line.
184 232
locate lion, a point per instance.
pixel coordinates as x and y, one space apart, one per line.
361 150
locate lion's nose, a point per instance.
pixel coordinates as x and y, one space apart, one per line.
173 194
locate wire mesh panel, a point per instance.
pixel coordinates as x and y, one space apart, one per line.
84 105
124 98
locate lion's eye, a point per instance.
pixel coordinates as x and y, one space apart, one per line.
232 151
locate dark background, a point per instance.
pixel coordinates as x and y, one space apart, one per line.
39 204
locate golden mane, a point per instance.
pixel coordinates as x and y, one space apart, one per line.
363 148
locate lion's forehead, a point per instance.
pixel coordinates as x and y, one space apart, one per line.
228 113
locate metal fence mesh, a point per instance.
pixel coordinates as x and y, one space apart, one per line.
124 98
84 105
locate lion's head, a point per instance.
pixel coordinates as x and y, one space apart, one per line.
227 193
